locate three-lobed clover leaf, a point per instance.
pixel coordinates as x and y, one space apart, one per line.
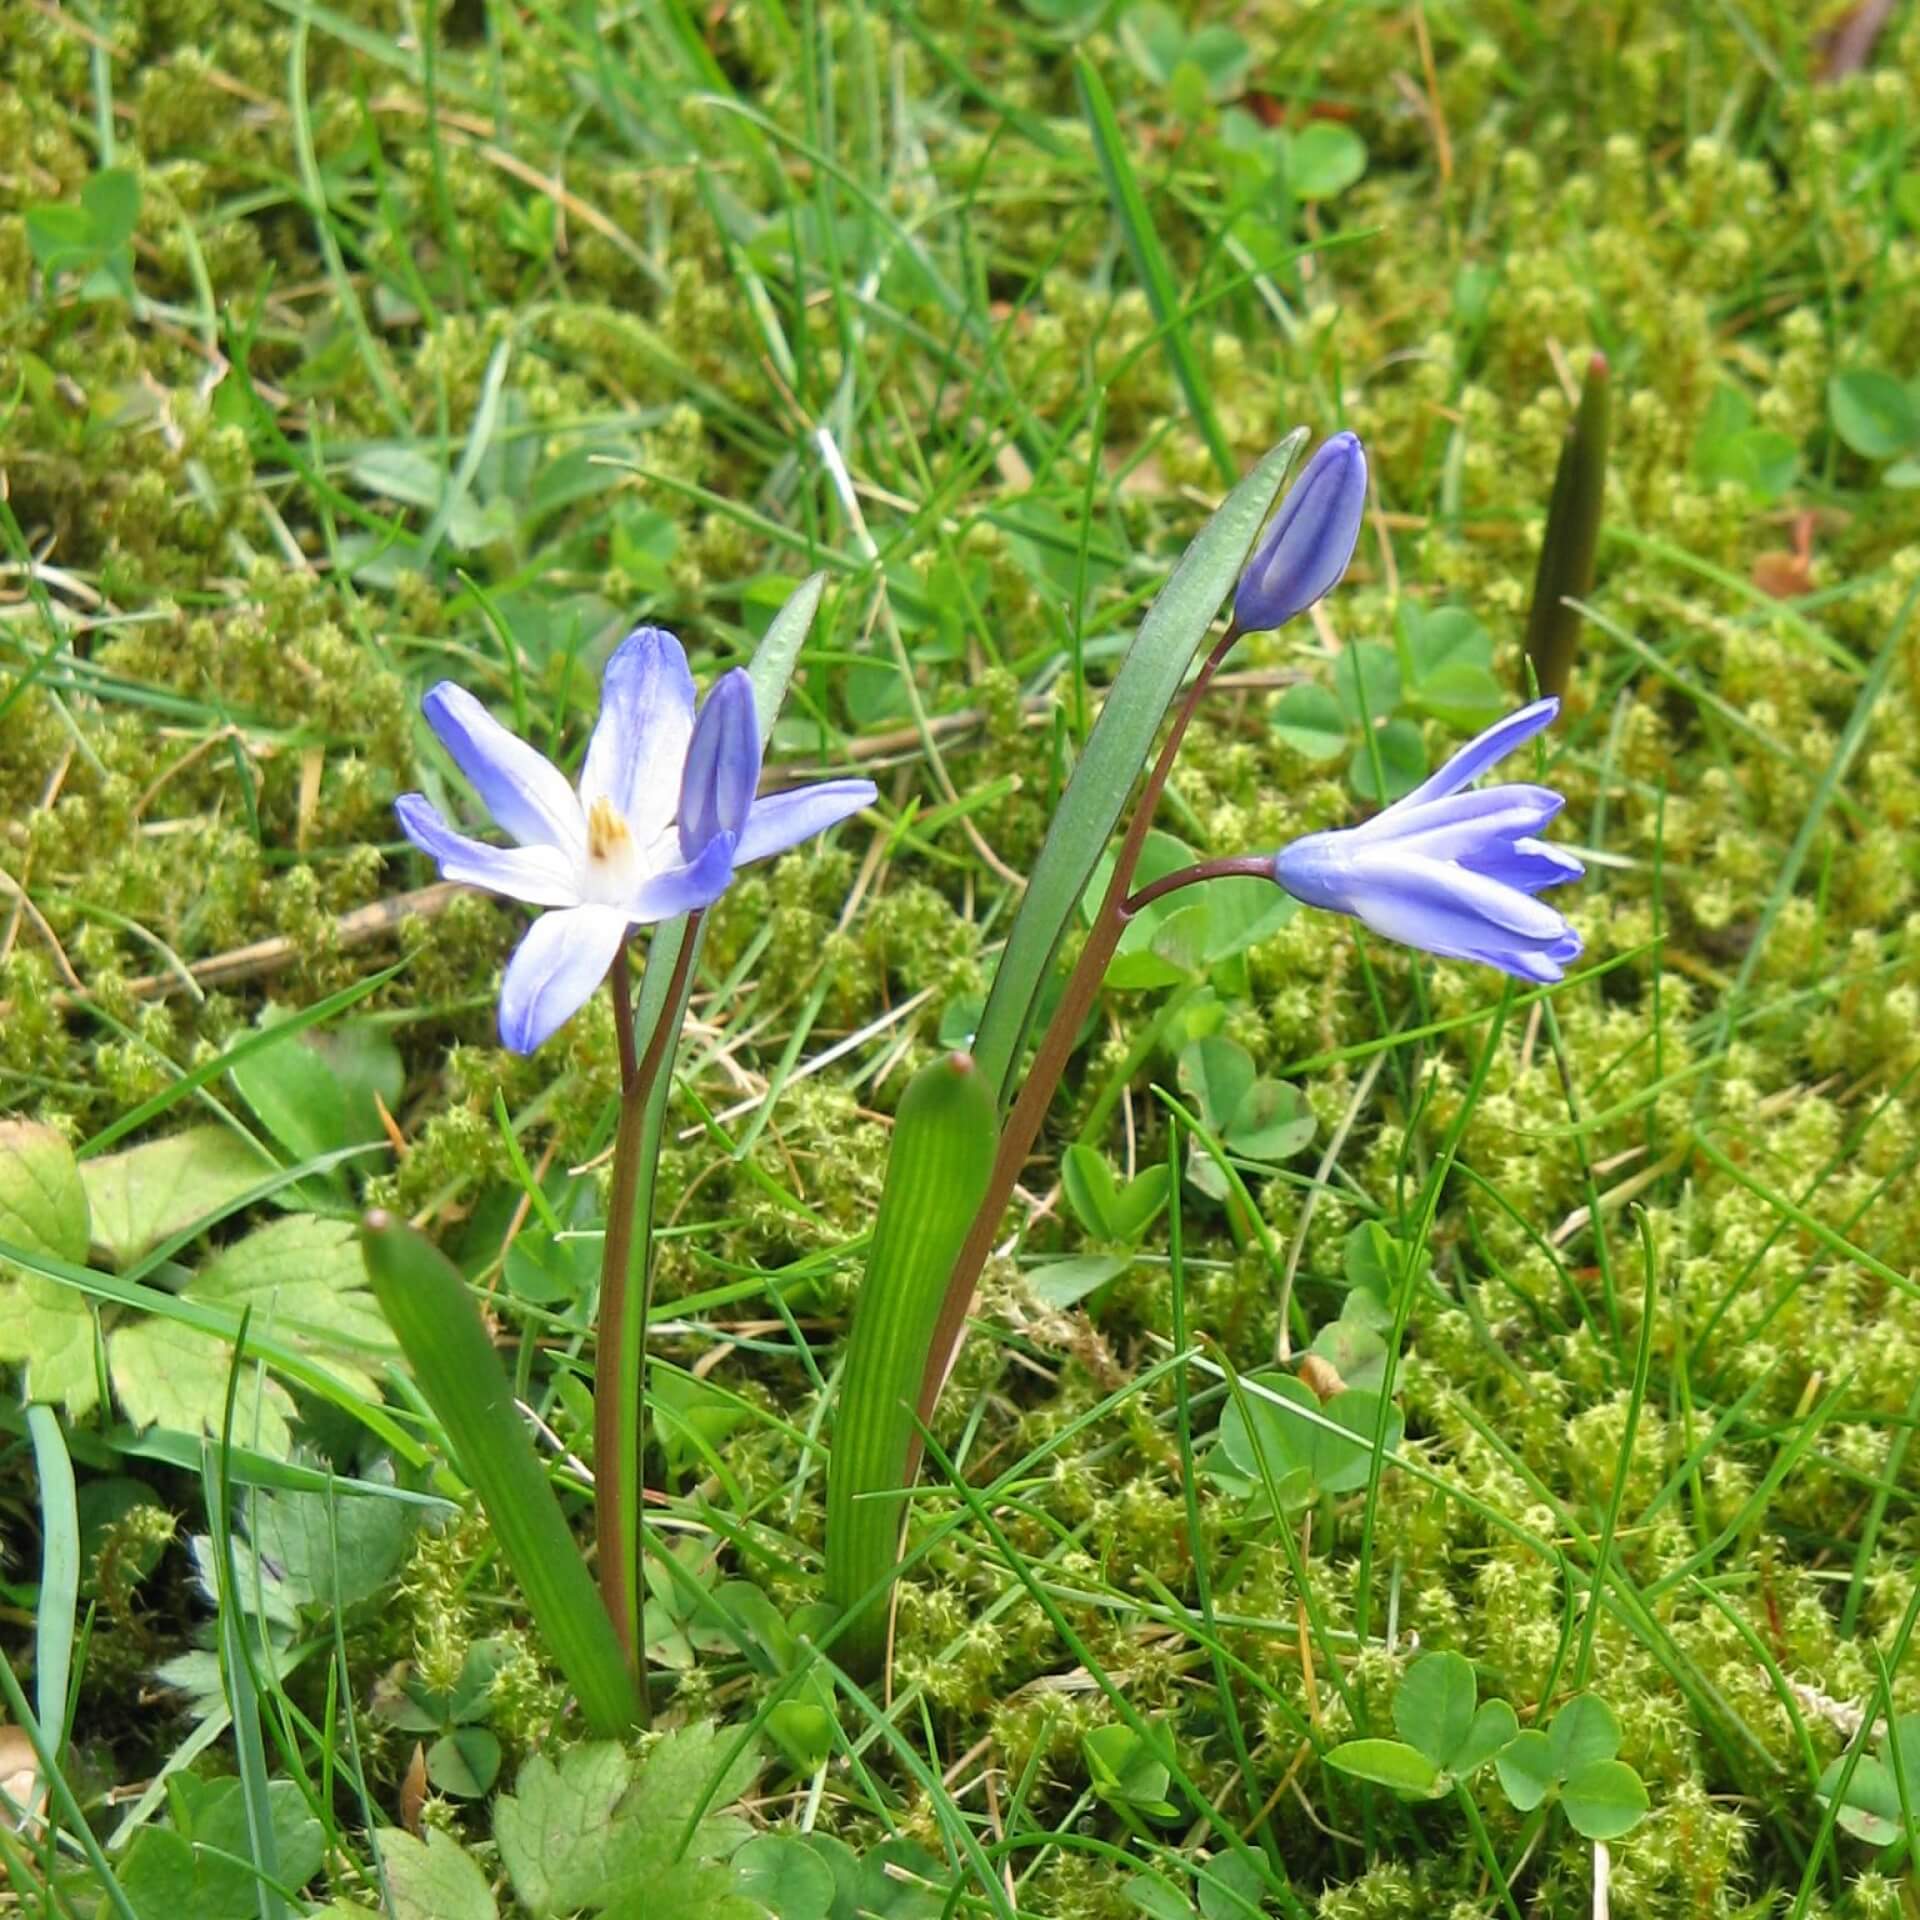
1301 1454
1445 1737
1573 1761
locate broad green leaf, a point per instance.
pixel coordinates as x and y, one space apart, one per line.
1125 1771
1091 1191
1433 1706
43 1204
1757 459
1526 1769
1142 1200
1366 682
432 1878
1871 1810
1116 753
464 1763
1156 1898
1264 1433
1310 720
1229 1888
1464 695
49 1330
1387 1763
143 1195
1432 639
1324 159
1604 1799
167 1375
1402 763
332 1553
1217 1074
1494 1728
559 1832
1340 1464
1065 1283
305 1280
1353 1348
1875 414
785 1876
1584 1730
1272 1122
1373 1260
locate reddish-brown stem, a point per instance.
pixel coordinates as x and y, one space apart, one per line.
1248 866
619 1378
1050 1058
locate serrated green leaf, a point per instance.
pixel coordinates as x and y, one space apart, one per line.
1387 1763
433 1878
143 1195
331 1553
43 1204
305 1279
168 1375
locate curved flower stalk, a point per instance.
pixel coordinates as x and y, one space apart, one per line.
1450 868
663 815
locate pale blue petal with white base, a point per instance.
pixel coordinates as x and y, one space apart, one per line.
783 820
541 876
524 791
639 744
556 970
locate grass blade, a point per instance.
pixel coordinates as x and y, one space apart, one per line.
1149 259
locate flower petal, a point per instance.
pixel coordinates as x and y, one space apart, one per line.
1456 935
1445 886
541 876
1512 814
1480 753
682 889
1309 542
1530 865
723 765
783 820
639 746
555 970
523 789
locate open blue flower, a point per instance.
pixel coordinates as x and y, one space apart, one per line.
663 815
1451 871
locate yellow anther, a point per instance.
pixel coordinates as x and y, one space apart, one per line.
606 830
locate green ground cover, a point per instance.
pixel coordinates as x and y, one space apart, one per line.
346 348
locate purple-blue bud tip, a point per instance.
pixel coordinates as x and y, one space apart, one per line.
1310 540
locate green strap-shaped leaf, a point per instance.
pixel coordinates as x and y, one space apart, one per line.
943 1141
1572 537
434 1317
1116 754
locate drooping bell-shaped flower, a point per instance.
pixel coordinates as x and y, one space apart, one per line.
1452 869
664 813
1308 543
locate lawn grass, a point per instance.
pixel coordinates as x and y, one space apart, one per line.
346 348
